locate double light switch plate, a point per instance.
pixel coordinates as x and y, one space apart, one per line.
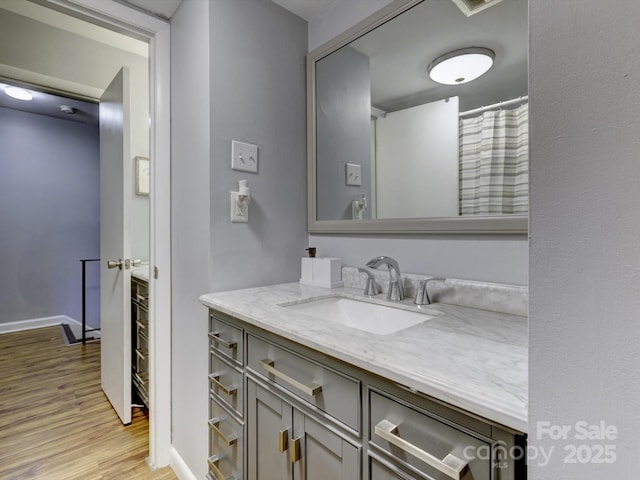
244 157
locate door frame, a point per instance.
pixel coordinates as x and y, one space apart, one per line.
156 31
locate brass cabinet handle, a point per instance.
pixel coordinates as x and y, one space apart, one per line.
230 440
283 440
309 388
451 465
295 450
215 336
228 390
213 460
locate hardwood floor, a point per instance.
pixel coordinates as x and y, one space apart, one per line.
56 423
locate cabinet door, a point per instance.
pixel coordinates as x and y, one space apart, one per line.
269 427
323 455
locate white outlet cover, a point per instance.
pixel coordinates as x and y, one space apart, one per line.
244 157
353 174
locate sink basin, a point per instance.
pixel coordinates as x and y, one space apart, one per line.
370 317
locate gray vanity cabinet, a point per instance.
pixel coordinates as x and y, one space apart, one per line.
140 340
282 411
285 443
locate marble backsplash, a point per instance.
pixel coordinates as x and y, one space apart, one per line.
511 299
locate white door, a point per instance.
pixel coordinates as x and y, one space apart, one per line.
115 296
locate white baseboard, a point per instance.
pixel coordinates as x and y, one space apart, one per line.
179 466
32 323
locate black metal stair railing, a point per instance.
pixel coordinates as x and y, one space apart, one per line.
84 298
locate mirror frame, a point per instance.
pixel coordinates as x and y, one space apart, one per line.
512 224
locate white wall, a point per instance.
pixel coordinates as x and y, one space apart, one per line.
495 259
417 161
585 230
190 225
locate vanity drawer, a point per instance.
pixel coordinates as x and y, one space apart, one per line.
332 392
424 444
381 471
226 339
140 292
226 384
140 315
226 444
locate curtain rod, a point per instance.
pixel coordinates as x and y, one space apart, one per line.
495 105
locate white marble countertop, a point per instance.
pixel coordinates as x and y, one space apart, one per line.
141 272
472 359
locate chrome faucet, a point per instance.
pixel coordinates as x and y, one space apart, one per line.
370 288
396 290
422 295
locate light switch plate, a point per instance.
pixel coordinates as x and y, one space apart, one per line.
353 174
244 157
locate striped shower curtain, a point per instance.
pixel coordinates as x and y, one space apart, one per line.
494 162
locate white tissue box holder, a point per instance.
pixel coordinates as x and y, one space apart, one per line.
321 272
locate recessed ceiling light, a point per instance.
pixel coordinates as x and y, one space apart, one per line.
461 66
18 93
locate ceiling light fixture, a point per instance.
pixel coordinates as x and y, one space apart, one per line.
18 93
67 109
461 66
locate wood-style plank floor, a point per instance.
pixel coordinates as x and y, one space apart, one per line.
56 423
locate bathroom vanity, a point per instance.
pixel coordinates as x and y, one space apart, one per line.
293 396
139 335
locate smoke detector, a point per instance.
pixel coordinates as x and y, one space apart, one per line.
67 109
471 7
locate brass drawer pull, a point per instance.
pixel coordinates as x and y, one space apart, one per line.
311 389
295 450
215 336
230 440
213 460
451 465
228 390
283 440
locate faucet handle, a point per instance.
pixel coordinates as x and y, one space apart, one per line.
370 288
422 295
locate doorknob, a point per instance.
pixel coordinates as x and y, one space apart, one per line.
112 264
120 264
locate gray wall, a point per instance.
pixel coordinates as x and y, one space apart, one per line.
585 229
501 259
190 225
343 94
49 215
258 95
238 73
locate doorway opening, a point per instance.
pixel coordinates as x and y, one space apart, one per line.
75 19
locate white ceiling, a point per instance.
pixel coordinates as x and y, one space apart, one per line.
306 9
400 51
160 8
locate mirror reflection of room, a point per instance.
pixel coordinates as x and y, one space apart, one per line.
429 138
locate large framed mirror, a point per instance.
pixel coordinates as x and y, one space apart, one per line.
395 148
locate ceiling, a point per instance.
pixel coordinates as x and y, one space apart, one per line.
45 99
306 9
400 50
159 8
49 104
